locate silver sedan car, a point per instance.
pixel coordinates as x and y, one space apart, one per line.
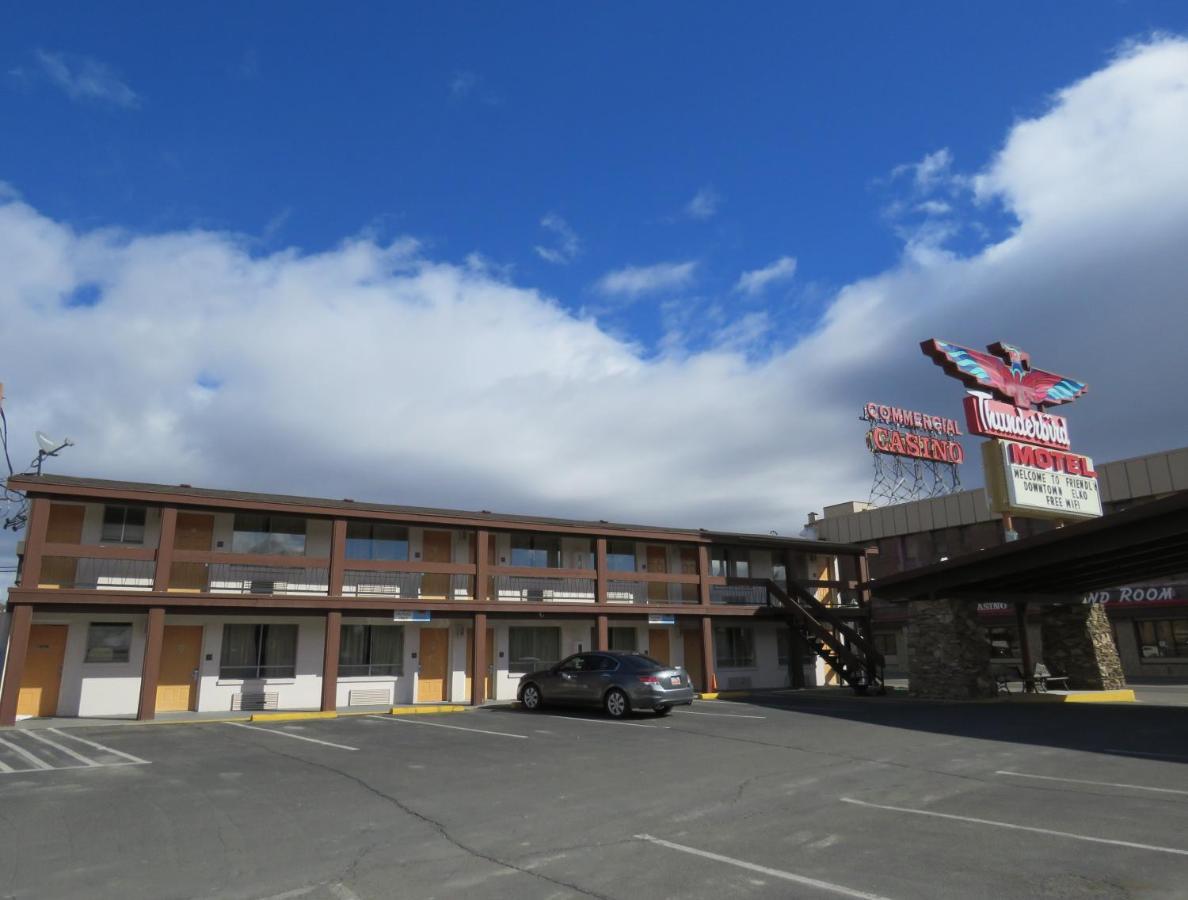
615 681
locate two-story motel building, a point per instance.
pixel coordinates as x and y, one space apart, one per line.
138 599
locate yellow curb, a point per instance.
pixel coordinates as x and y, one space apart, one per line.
711 695
292 716
425 710
1122 696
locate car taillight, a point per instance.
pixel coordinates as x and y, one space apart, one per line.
649 679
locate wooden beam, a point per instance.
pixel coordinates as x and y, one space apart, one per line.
479 661
151 667
338 538
330 648
707 653
34 541
603 631
482 567
603 581
164 554
14 669
703 576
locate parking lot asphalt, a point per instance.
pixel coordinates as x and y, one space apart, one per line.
785 796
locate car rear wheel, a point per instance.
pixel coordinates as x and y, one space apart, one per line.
530 697
616 703
663 710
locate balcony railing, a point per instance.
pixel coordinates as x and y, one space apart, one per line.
530 589
226 578
407 585
739 594
87 573
654 593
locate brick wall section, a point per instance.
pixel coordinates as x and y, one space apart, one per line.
950 658
1078 643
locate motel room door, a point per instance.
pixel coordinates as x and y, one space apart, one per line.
658 645
434 664
38 695
693 664
436 547
177 685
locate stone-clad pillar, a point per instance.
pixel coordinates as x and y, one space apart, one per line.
1078 643
949 656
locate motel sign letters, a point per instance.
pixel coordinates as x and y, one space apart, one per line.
1029 464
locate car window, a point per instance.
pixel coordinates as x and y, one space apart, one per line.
574 664
603 664
646 662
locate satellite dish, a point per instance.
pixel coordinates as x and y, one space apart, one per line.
46 443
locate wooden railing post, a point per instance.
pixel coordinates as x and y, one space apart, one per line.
481 564
34 542
338 538
602 579
163 561
703 575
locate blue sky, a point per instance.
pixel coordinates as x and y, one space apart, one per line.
631 262
467 124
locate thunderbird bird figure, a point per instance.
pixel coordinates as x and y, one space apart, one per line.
1006 372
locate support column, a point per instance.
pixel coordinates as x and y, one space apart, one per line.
164 559
949 656
1025 648
600 572
703 573
14 669
330 660
603 633
481 562
479 661
34 541
1078 643
153 638
707 653
338 539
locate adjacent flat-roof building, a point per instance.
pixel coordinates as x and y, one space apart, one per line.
137 599
1149 619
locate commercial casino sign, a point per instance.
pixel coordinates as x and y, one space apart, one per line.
1030 466
896 431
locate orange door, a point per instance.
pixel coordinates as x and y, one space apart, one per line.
42 677
195 531
693 659
177 685
658 645
436 547
65 526
689 567
657 564
434 664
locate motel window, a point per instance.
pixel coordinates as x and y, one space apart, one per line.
734 648
623 639
374 540
1162 637
123 525
278 535
1004 642
537 551
371 650
108 642
620 556
530 649
259 651
885 643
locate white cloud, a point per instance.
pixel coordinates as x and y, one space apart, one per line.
635 281
568 245
704 204
933 171
86 79
315 364
757 280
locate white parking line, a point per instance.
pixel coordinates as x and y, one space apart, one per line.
296 737
21 751
395 719
86 761
1133 787
689 712
111 750
606 722
1014 827
764 870
4 767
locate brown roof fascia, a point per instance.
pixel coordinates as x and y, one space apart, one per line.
208 498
